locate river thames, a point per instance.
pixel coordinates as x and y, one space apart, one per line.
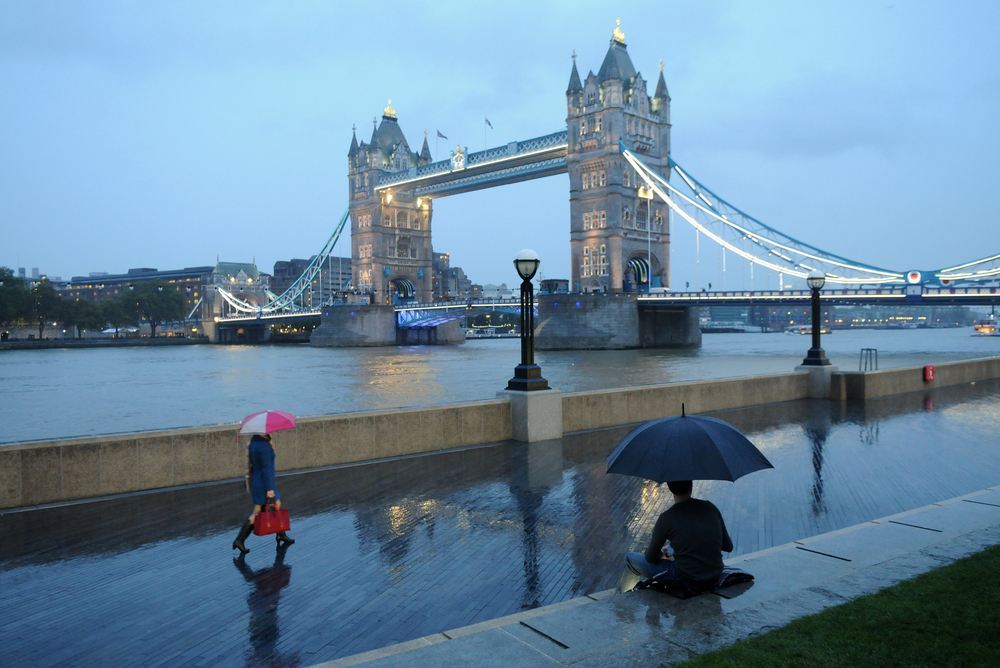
50 394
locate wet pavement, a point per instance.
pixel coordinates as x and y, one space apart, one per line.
398 550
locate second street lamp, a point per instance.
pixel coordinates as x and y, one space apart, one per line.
816 356
527 374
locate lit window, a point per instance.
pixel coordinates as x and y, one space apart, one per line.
599 123
601 178
626 176
586 221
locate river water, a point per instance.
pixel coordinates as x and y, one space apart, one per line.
49 394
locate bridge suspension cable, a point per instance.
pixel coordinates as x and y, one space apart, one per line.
751 239
286 300
761 244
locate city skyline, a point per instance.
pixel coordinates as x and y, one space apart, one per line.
166 136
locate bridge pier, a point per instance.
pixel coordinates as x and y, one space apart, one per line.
446 333
612 321
363 325
669 326
356 325
242 332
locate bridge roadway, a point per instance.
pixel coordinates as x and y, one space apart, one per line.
911 295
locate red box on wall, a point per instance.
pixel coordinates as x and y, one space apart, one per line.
928 373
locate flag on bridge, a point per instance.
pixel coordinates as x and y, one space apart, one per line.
488 123
441 135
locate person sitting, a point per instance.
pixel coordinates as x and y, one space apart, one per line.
697 535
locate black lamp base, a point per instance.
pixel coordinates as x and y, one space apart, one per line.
816 357
527 377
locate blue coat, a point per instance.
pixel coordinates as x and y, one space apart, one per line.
262 478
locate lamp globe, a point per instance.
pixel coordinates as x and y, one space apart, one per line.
816 280
526 262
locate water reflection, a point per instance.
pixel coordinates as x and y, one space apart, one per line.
262 600
817 437
536 467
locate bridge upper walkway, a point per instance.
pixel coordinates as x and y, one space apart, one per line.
516 161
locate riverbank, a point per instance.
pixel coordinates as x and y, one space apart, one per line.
50 344
45 472
141 389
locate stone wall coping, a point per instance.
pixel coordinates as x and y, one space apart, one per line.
231 426
683 383
884 372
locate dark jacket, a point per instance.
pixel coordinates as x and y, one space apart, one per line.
697 533
262 478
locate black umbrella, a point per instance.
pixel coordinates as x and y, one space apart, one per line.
686 448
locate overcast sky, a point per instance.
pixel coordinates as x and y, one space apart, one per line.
144 134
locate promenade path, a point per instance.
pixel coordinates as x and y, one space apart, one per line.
393 551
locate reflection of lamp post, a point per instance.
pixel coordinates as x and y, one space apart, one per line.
816 356
527 374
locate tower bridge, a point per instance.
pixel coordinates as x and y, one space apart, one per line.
614 228
615 150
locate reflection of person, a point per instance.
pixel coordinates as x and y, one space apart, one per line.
262 487
698 536
262 599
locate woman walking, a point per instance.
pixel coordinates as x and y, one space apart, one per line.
262 488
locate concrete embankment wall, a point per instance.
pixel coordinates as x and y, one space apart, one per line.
53 471
610 408
875 384
67 470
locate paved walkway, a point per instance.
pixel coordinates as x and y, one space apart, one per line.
649 628
399 550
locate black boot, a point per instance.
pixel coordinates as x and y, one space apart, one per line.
283 540
244 532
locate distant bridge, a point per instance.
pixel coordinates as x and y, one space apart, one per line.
410 315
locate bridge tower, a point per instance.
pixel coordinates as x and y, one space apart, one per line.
390 233
618 238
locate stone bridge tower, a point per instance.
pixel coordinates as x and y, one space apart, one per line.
390 233
618 239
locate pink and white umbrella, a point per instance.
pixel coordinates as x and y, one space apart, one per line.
267 422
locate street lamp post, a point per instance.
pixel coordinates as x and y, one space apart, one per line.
527 374
816 356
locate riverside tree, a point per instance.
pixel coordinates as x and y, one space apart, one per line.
119 313
82 314
13 298
44 305
157 302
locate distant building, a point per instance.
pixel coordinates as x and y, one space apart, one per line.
491 291
734 314
553 285
334 276
102 286
450 283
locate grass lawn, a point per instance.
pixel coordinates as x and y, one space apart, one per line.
948 617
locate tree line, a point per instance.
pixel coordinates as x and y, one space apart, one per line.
37 303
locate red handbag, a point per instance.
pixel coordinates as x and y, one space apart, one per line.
270 520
